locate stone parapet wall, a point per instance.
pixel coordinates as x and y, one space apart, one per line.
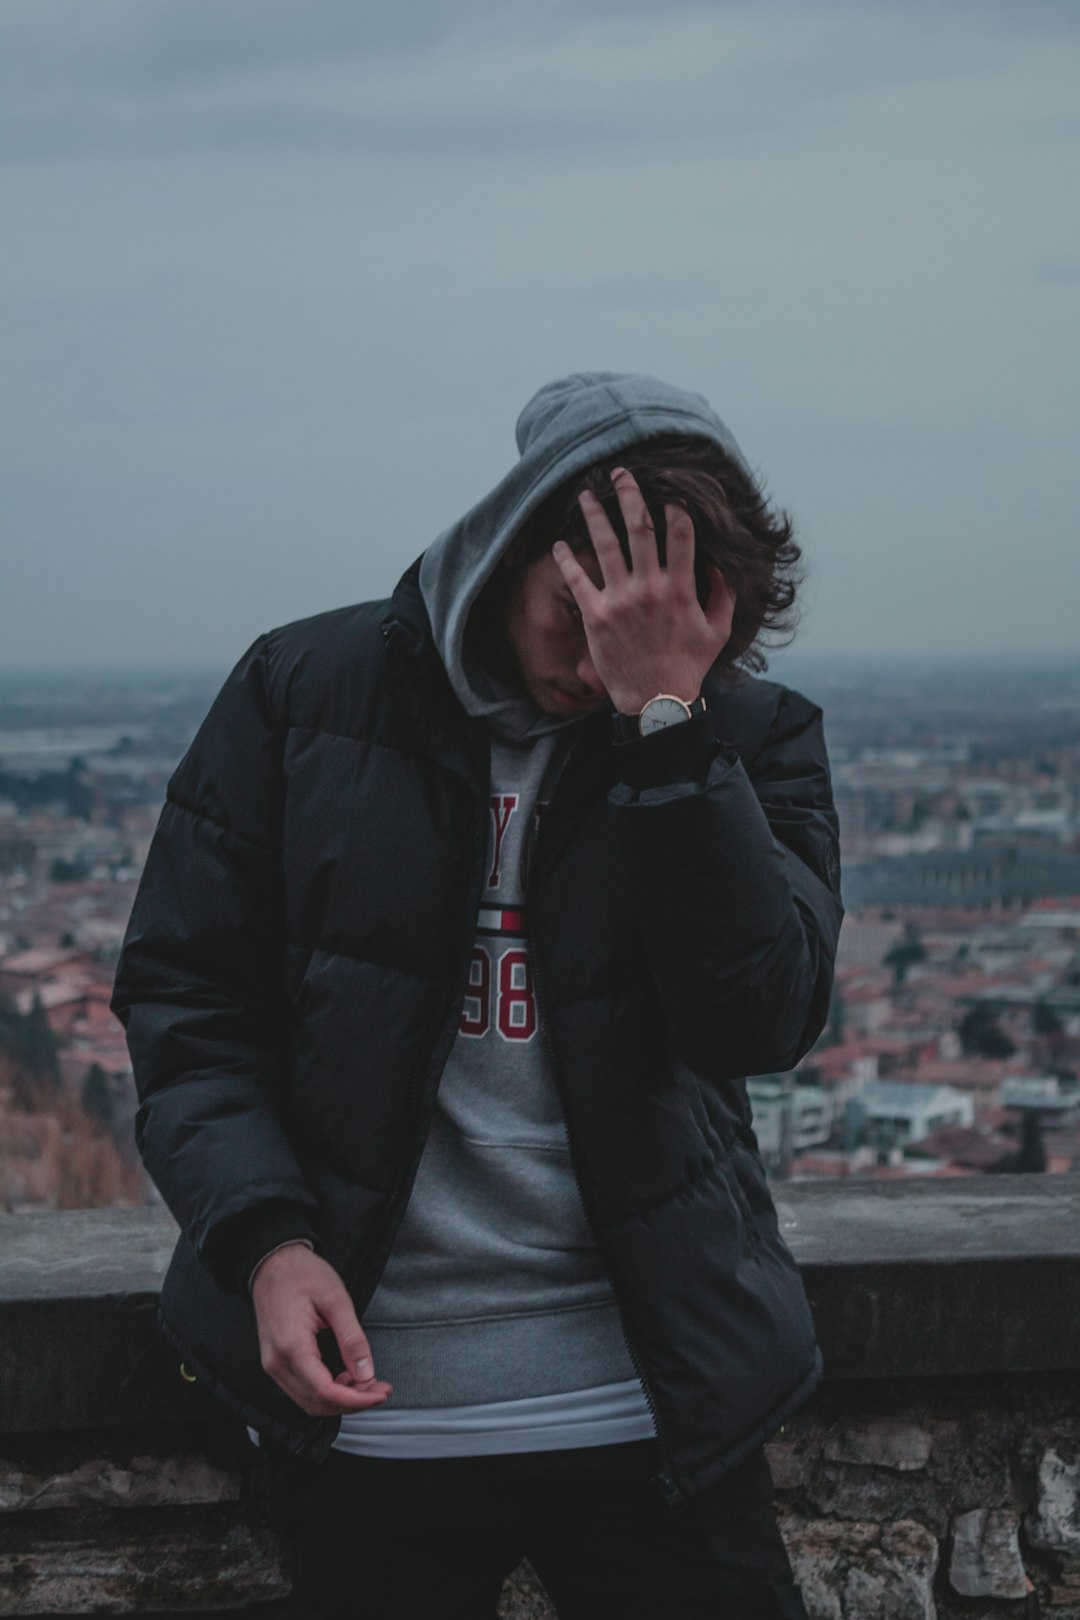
135 1520
940 1499
899 1499
935 1475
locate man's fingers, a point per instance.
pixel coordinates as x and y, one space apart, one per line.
680 544
640 530
336 1309
641 535
720 608
605 542
373 1389
307 1380
577 579
298 1294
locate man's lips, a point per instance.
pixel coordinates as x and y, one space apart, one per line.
570 701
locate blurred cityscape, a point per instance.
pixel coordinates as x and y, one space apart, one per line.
953 1043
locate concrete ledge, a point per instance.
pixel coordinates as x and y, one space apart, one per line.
930 1277
918 1278
79 1342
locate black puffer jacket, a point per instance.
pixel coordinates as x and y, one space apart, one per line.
294 970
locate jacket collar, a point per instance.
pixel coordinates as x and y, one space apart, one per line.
457 740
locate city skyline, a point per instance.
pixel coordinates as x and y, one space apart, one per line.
956 1007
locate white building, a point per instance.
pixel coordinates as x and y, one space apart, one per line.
789 1119
897 1111
1043 1092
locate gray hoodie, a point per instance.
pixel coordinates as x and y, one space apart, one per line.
565 428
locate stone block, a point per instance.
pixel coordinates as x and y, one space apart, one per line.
834 1491
881 1443
523 1598
101 1482
138 1565
787 1464
1055 1522
852 1570
986 1559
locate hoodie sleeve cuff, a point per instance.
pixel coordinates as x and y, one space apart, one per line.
679 753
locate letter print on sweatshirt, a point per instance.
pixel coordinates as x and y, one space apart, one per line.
499 1000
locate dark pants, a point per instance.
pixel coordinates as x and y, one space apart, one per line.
435 1539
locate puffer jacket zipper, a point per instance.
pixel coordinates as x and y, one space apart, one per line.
673 1497
448 1028
375 1258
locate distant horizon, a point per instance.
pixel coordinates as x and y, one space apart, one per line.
909 660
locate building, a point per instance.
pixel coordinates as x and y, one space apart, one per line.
896 1112
788 1118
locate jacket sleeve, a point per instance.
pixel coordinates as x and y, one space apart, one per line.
735 872
199 990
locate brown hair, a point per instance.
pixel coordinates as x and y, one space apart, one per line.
733 524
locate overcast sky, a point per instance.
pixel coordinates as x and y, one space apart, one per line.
278 278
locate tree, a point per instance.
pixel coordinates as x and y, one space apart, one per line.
901 957
65 871
1044 1020
91 1171
28 1039
906 951
834 1029
1032 1154
41 1048
98 1101
980 1034
33 1050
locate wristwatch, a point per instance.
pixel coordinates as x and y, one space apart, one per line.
661 711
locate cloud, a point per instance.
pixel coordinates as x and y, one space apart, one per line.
1058 272
269 260
139 76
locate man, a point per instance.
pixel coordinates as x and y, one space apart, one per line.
466 917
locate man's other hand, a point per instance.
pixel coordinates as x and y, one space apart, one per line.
296 1295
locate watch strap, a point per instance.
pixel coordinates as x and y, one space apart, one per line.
627 727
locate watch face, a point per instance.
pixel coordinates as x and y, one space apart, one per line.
660 712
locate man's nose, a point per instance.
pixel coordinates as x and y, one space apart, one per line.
586 674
